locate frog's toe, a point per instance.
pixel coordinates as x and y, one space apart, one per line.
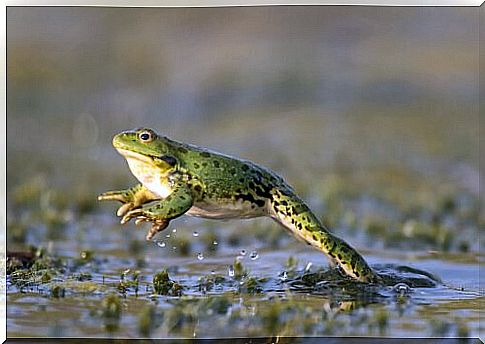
130 215
140 219
112 196
157 226
125 208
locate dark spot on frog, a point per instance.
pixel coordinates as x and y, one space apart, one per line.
250 198
169 160
260 202
196 166
216 164
245 167
204 164
183 150
205 154
241 180
197 188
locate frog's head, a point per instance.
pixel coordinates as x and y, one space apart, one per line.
144 148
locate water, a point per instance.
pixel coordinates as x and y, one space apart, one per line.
410 303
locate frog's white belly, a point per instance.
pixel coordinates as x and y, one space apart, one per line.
227 210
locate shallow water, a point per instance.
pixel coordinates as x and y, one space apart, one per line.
283 299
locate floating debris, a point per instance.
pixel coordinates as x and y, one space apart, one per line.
200 256
231 271
195 234
401 289
254 255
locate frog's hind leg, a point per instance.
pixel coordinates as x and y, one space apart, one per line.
290 211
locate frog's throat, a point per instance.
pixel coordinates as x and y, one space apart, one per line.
144 169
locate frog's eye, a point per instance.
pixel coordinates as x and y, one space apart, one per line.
145 136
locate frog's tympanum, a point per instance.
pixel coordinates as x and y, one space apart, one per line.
177 178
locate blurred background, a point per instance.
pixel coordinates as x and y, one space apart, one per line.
371 113
303 90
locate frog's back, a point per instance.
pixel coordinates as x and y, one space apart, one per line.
228 187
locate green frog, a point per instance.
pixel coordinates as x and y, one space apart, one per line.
178 178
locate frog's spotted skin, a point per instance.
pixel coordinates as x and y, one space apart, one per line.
178 178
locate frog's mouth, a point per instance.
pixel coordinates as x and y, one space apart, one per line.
128 154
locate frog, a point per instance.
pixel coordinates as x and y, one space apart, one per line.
177 178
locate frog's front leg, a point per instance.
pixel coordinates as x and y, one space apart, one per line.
131 198
160 213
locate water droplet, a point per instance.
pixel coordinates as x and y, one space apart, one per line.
215 243
174 230
402 289
174 248
243 252
231 271
196 234
254 255
167 236
308 266
200 256
161 244
213 272
284 276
